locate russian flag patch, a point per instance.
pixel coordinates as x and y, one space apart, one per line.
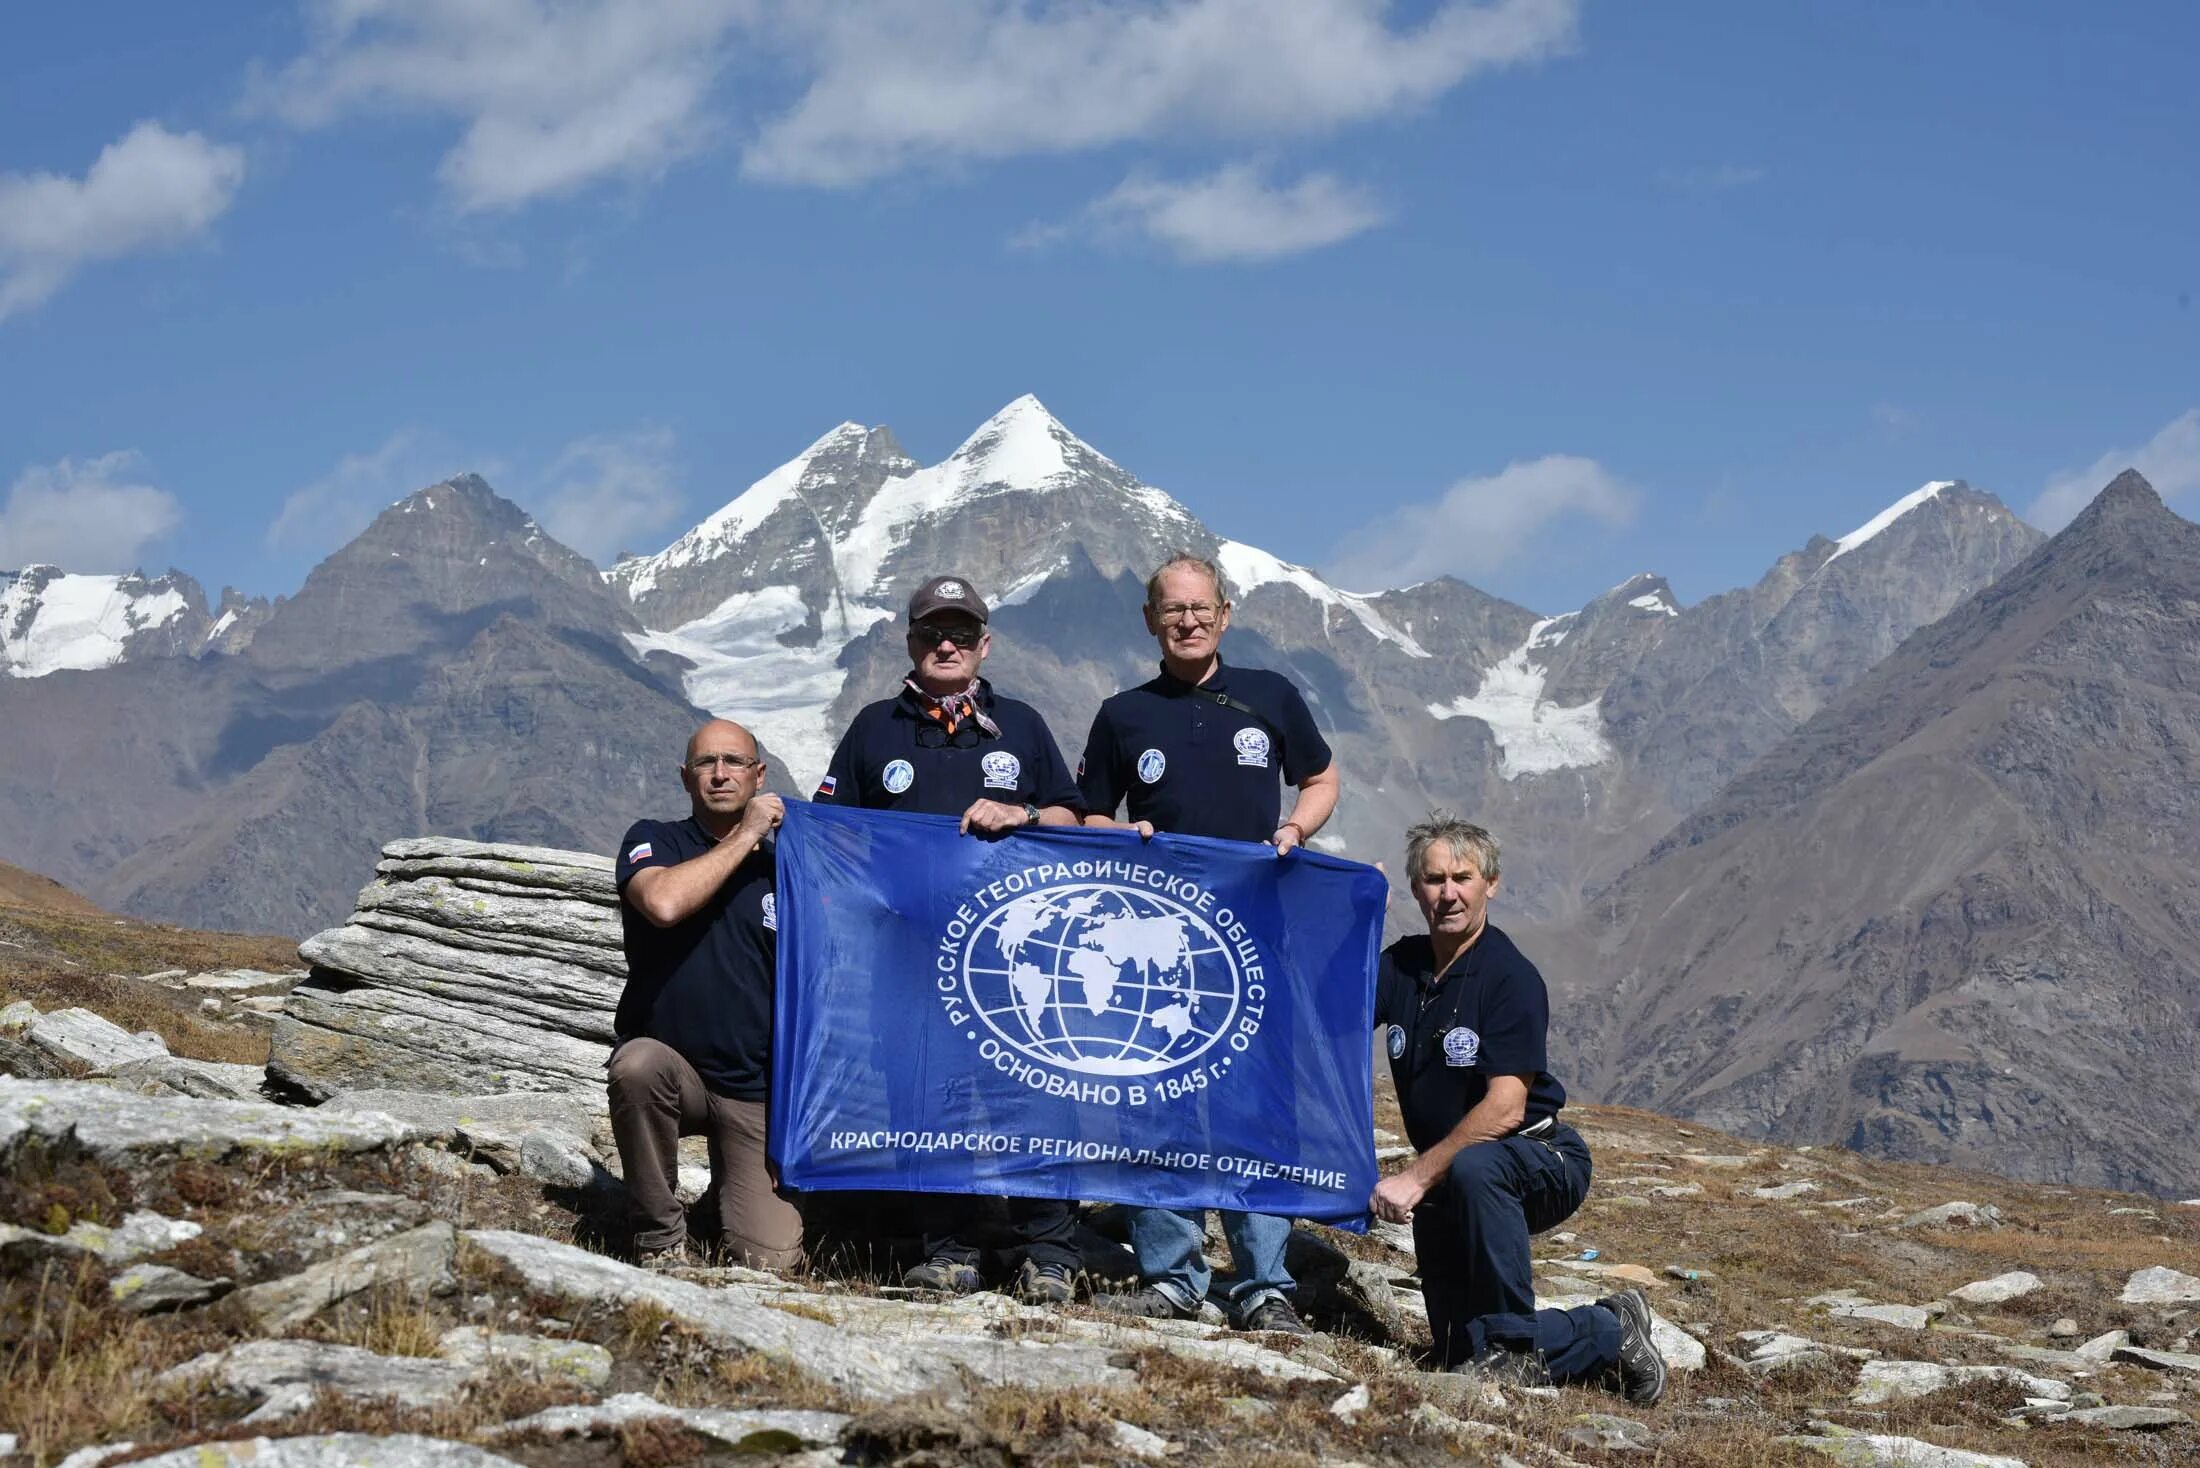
640 853
826 787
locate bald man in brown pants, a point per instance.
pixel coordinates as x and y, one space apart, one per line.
694 1025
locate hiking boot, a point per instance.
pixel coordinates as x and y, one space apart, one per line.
676 1255
949 1276
1148 1304
1507 1366
1641 1369
1046 1284
1275 1314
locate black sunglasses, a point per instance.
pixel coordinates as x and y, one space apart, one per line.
962 634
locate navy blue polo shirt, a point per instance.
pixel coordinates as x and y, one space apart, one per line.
1195 767
895 758
1487 1016
704 986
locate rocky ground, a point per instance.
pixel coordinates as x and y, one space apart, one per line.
193 1273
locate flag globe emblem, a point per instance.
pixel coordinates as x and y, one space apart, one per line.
1102 979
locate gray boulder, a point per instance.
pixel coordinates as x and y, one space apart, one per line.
2160 1285
415 1262
149 1289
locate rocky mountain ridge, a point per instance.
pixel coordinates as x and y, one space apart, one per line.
1949 918
1582 735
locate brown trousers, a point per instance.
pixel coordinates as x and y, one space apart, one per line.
656 1099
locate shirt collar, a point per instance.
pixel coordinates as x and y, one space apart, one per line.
1175 686
908 706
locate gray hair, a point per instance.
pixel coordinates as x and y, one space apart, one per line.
1185 560
1461 838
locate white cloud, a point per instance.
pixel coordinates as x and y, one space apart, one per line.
554 95
88 516
606 493
2170 460
900 84
1234 213
1480 525
332 509
150 189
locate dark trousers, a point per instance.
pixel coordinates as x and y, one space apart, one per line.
1042 1230
656 1099
1470 1235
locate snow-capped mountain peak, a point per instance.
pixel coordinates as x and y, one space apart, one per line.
1871 528
51 619
1645 592
1023 446
1249 567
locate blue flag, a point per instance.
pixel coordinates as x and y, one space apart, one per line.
1073 1013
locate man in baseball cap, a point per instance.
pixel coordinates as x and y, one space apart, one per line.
947 745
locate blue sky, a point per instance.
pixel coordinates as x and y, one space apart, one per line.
1541 293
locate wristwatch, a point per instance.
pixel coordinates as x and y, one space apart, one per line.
1031 814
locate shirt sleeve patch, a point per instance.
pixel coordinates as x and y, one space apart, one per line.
827 786
642 852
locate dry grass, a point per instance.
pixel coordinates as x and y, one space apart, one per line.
57 958
72 1368
387 1322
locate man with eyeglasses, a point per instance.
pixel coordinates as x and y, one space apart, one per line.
693 1056
1205 750
948 745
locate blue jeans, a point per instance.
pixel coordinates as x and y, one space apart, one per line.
1167 1243
1470 1235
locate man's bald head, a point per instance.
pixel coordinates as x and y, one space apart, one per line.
720 736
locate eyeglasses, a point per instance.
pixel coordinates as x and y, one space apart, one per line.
962 634
703 764
1200 612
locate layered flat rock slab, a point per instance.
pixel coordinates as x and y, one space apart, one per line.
1881 1450
2127 1419
285 1377
332 1450
465 968
330 1039
1852 1306
749 1431
1999 1290
744 1319
2160 1285
87 1039
1894 1381
2177 1361
176 1075
540 1134
415 1262
119 1129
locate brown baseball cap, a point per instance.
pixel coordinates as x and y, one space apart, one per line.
945 594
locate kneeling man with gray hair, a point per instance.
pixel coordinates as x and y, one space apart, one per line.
1464 1015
